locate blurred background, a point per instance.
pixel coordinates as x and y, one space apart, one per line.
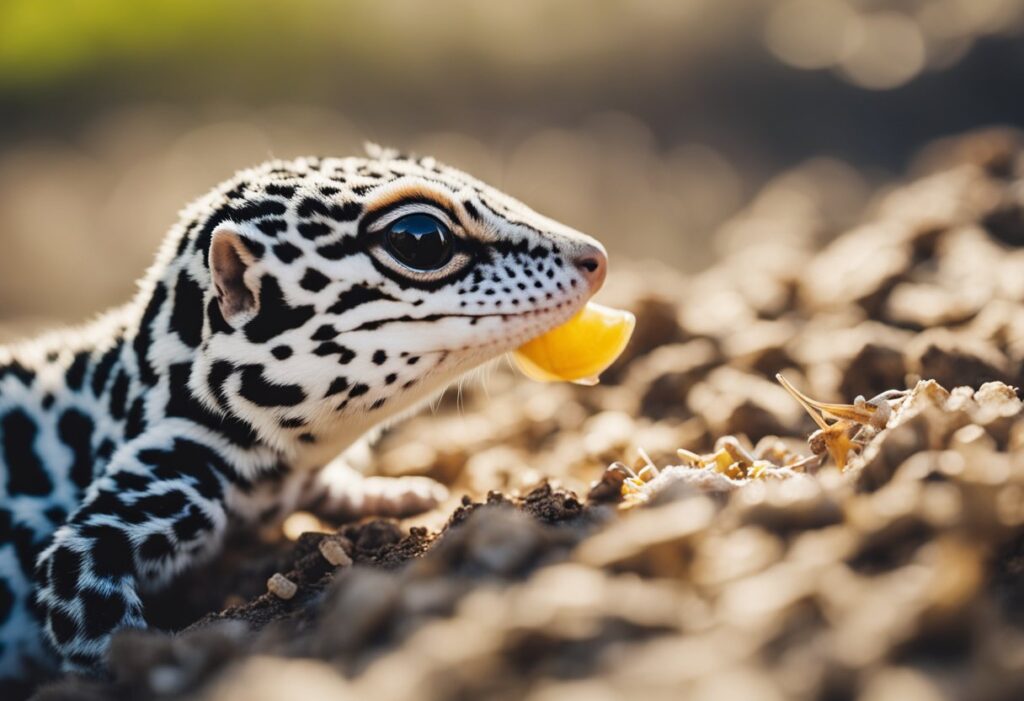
646 123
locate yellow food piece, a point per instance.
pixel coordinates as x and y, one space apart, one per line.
580 349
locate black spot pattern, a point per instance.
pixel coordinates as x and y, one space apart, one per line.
119 395
101 373
65 568
357 295
186 314
275 315
63 627
324 333
102 612
339 384
74 429
111 550
272 227
314 230
26 547
285 191
26 474
219 373
344 248
314 280
6 601
258 390
162 505
349 211
55 515
131 481
345 355
75 375
17 370
136 422
286 252
105 449
254 247
155 546
217 322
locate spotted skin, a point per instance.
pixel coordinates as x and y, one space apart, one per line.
275 330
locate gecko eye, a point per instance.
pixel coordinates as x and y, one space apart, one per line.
420 242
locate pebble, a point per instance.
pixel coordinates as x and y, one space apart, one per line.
334 552
281 587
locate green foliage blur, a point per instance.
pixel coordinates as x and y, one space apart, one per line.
43 44
317 48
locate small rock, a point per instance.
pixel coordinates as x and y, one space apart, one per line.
608 489
281 587
334 552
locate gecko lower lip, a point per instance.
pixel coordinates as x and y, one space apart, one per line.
486 345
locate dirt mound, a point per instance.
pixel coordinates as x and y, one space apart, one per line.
900 577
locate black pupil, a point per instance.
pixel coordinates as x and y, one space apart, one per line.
420 241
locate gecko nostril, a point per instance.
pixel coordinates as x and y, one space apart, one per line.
592 261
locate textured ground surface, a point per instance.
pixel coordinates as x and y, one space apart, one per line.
902 578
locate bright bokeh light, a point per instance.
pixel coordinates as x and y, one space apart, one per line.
883 45
885 50
809 33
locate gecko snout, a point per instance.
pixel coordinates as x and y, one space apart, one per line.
592 262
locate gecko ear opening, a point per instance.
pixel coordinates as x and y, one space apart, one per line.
230 260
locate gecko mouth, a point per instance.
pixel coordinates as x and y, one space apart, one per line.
428 318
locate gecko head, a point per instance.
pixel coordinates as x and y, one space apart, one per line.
351 289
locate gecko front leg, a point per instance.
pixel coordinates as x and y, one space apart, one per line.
338 493
157 510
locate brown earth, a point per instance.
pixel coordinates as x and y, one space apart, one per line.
900 578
